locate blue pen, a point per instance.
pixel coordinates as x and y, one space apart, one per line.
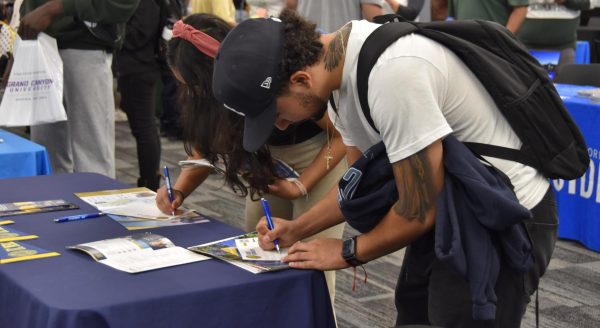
168 183
265 205
78 217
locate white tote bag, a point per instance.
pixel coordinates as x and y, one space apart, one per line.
34 91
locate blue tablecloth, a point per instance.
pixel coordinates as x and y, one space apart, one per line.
71 290
20 157
579 200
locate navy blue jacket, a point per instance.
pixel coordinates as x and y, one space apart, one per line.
478 216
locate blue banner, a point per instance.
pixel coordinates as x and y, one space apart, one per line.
579 200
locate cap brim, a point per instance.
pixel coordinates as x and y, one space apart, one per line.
258 129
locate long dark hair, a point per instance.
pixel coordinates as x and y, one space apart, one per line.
209 128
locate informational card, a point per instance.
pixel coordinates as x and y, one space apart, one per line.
251 251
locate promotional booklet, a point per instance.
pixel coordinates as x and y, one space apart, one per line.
243 251
17 208
135 208
12 251
138 253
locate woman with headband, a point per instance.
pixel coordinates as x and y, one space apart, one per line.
313 149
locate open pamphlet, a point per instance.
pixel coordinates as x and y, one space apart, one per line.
16 208
12 251
282 169
244 252
135 208
138 253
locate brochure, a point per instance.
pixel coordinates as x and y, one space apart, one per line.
285 171
243 251
282 169
135 208
138 253
12 251
17 208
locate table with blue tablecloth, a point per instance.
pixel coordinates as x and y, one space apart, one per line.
20 157
579 200
72 290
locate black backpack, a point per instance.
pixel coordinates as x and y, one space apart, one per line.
520 87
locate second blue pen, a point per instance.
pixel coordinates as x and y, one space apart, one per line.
265 205
78 217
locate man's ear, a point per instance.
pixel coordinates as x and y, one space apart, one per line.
302 79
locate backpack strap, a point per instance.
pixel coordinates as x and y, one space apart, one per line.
374 46
510 154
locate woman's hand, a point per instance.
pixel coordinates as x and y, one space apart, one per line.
320 254
164 203
285 189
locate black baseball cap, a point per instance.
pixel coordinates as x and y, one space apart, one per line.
246 76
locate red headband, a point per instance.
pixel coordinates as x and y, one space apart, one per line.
202 41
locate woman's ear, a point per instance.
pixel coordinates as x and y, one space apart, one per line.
302 79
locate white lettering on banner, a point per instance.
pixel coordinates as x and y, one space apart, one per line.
594 153
588 183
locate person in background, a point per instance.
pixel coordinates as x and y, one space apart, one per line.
265 8
16 15
419 94
87 33
170 117
409 9
220 8
138 72
241 10
510 13
552 25
311 147
330 15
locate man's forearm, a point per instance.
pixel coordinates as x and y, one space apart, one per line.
391 234
326 213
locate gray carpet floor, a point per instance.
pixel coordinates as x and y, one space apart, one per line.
569 293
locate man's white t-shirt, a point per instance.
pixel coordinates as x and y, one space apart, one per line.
419 92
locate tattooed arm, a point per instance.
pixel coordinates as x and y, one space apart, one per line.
419 179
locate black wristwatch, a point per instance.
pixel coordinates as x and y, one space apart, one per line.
349 251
